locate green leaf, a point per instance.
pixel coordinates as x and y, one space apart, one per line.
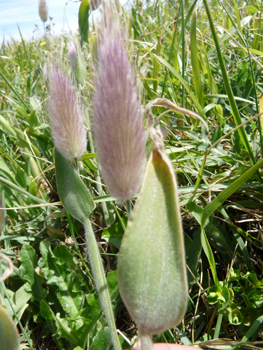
101 340
193 250
28 259
20 299
213 294
235 317
84 20
7 127
112 281
114 234
195 62
60 270
73 194
253 329
151 262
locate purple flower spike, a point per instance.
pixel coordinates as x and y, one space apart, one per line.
117 124
66 118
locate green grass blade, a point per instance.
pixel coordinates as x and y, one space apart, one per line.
252 330
185 84
229 91
225 194
21 190
14 91
169 59
183 52
195 63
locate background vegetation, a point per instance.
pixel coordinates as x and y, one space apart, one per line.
205 56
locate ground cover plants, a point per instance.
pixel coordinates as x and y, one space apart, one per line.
202 56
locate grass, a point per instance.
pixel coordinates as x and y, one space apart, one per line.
206 58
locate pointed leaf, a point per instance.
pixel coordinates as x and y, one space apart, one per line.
151 263
73 194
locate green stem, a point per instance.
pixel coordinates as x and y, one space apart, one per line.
100 281
129 208
146 341
218 325
76 165
98 184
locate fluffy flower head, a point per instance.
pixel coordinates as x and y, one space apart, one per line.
66 118
42 10
117 124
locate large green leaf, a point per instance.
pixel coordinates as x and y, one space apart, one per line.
73 194
151 263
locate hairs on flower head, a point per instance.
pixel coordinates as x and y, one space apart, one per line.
117 122
65 114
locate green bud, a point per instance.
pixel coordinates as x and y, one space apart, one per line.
151 262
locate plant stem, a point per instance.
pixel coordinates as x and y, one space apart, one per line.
100 281
76 165
146 341
98 179
218 325
128 208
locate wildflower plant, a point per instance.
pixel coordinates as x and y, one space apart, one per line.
67 125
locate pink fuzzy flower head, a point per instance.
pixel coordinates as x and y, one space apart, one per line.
117 125
66 118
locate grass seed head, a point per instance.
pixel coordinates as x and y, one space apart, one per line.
65 114
43 10
117 123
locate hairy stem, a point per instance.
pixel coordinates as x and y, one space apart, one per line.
100 281
146 340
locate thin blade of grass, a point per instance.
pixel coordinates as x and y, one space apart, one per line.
225 194
195 63
229 91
